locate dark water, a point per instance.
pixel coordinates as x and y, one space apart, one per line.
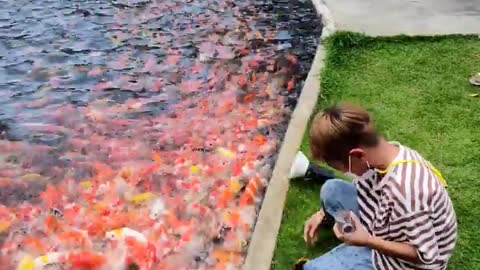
47 49
94 88
55 55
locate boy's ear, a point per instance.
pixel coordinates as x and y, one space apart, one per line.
357 152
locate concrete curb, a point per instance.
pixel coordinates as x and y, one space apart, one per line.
264 239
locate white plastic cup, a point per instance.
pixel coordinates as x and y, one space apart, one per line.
345 222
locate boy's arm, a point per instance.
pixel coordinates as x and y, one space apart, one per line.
402 251
361 237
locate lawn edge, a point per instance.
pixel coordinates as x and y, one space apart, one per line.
263 242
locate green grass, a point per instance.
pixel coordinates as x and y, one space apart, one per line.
418 90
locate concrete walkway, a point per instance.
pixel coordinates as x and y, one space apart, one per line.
410 17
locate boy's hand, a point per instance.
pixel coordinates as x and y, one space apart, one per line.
360 237
310 232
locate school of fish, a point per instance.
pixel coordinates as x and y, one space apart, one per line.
122 189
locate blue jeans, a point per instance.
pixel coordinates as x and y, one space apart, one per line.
339 195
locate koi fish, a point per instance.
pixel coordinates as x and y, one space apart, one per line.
32 177
225 198
142 198
86 260
34 244
123 233
4 226
51 197
39 263
291 85
225 259
52 224
143 255
225 152
252 192
75 238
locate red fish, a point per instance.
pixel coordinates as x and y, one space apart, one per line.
225 199
52 197
291 84
85 260
52 224
143 255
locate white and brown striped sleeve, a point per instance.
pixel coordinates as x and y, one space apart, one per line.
420 232
425 214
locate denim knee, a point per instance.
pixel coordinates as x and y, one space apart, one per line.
330 190
337 194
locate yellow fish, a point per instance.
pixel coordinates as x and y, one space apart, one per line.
4 226
194 169
100 207
142 198
225 152
235 185
86 184
32 177
26 264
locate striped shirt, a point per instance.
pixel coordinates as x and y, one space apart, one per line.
409 204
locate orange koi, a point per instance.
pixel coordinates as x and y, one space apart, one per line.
52 224
34 244
224 257
173 220
103 171
157 158
225 199
4 226
75 238
144 255
232 219
260 140
235 219
96 229
251 192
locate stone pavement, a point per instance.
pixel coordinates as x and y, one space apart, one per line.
410 17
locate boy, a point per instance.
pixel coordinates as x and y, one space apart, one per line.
400 208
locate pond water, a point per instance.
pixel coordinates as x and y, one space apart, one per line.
142 134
